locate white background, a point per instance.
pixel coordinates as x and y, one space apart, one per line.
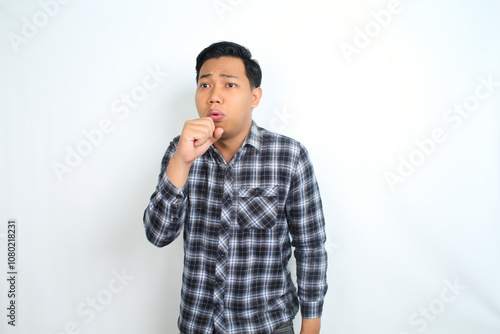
393 250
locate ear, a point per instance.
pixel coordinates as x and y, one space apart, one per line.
256 96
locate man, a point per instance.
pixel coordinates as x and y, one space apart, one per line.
239 192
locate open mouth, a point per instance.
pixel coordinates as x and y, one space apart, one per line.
215 115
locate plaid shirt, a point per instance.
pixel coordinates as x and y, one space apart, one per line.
238 219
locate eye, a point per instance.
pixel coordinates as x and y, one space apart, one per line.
204 85
231 85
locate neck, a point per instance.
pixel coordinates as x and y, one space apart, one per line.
229 146
227 151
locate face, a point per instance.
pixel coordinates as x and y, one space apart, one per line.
225 95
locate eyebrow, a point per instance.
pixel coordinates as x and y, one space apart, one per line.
223 75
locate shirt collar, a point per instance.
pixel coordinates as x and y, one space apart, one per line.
254 137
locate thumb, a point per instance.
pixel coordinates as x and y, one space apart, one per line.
217 134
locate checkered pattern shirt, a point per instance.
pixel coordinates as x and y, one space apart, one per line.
240 221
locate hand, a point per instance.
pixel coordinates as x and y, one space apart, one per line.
196 137
310 326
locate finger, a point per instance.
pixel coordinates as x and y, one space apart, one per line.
217 134
200 139
198 130
199 142
204 122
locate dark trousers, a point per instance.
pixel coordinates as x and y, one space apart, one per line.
286 328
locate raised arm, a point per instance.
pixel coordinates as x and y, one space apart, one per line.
164 217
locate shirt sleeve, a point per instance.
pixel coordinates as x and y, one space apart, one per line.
307 228
164 216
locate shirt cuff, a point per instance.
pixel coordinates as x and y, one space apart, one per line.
311 310
167 191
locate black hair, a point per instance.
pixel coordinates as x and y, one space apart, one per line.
230 49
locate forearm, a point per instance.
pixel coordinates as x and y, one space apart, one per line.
165 213
310 326
178 172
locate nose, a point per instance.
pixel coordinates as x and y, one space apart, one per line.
215 96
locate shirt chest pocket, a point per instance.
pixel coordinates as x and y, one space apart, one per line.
258 207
